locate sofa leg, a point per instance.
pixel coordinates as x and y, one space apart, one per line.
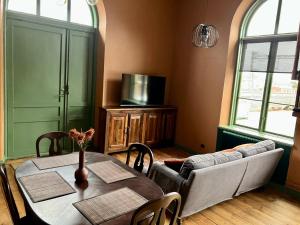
179 221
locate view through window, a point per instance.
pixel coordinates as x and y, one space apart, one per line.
265 93
74 11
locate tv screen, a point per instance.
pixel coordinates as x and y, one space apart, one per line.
142 90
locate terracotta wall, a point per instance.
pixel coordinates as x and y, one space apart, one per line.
139 39
293 179
198 75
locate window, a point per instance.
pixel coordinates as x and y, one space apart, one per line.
74 11
264 92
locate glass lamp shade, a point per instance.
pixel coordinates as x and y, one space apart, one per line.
205 36
92 2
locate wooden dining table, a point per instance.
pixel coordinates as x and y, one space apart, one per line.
61 211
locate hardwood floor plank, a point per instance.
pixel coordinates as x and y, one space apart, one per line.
215 217
231 206
275 209
229 216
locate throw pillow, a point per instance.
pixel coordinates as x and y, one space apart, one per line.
174 163
242 146
236 148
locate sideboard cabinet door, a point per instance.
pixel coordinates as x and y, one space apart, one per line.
135 127
152 126
117 131
168 127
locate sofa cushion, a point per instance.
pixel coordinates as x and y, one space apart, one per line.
207 160
268 144
224 157
252 150
196 162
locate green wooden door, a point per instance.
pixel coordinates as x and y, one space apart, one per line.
49 83
80 70
35 72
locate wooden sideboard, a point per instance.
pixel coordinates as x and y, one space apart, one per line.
122 126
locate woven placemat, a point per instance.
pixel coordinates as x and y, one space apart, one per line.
111 205
56 161
110 172
44 186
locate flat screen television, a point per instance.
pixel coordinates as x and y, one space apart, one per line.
142 90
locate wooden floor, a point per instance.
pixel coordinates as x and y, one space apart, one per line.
260 207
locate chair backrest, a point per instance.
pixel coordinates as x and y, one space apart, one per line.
139 161
154 212
54 137
9 196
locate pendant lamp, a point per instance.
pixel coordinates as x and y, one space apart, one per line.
205 35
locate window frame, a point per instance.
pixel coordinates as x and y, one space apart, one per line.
274 39
93 11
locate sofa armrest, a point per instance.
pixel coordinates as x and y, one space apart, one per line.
169 180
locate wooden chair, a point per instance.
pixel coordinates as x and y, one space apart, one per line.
10 199
154 212
139 161
54 148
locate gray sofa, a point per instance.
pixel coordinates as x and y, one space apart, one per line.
206 185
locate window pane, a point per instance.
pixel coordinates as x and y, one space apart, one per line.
252 85
289 17
285 56
54 9
280 120
25 6
283 89
81 13
248 113
255 57
263 20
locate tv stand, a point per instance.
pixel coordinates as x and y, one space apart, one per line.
121 126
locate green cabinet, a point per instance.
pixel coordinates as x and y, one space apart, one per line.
49 73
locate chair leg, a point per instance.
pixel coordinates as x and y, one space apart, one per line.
179 221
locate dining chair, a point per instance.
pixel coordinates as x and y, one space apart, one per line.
55 138
154 212
10 199
139 161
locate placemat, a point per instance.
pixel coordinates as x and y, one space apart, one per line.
108 206
110 172
44 186
56 161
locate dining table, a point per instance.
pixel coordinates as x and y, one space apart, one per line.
61 210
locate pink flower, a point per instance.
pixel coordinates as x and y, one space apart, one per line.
80 138
73 133
89 134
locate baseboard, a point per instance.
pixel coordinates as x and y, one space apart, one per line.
186 149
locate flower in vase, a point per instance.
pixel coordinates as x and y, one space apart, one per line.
89 134
82 138
73 133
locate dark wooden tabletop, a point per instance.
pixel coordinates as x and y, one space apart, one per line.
60 211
